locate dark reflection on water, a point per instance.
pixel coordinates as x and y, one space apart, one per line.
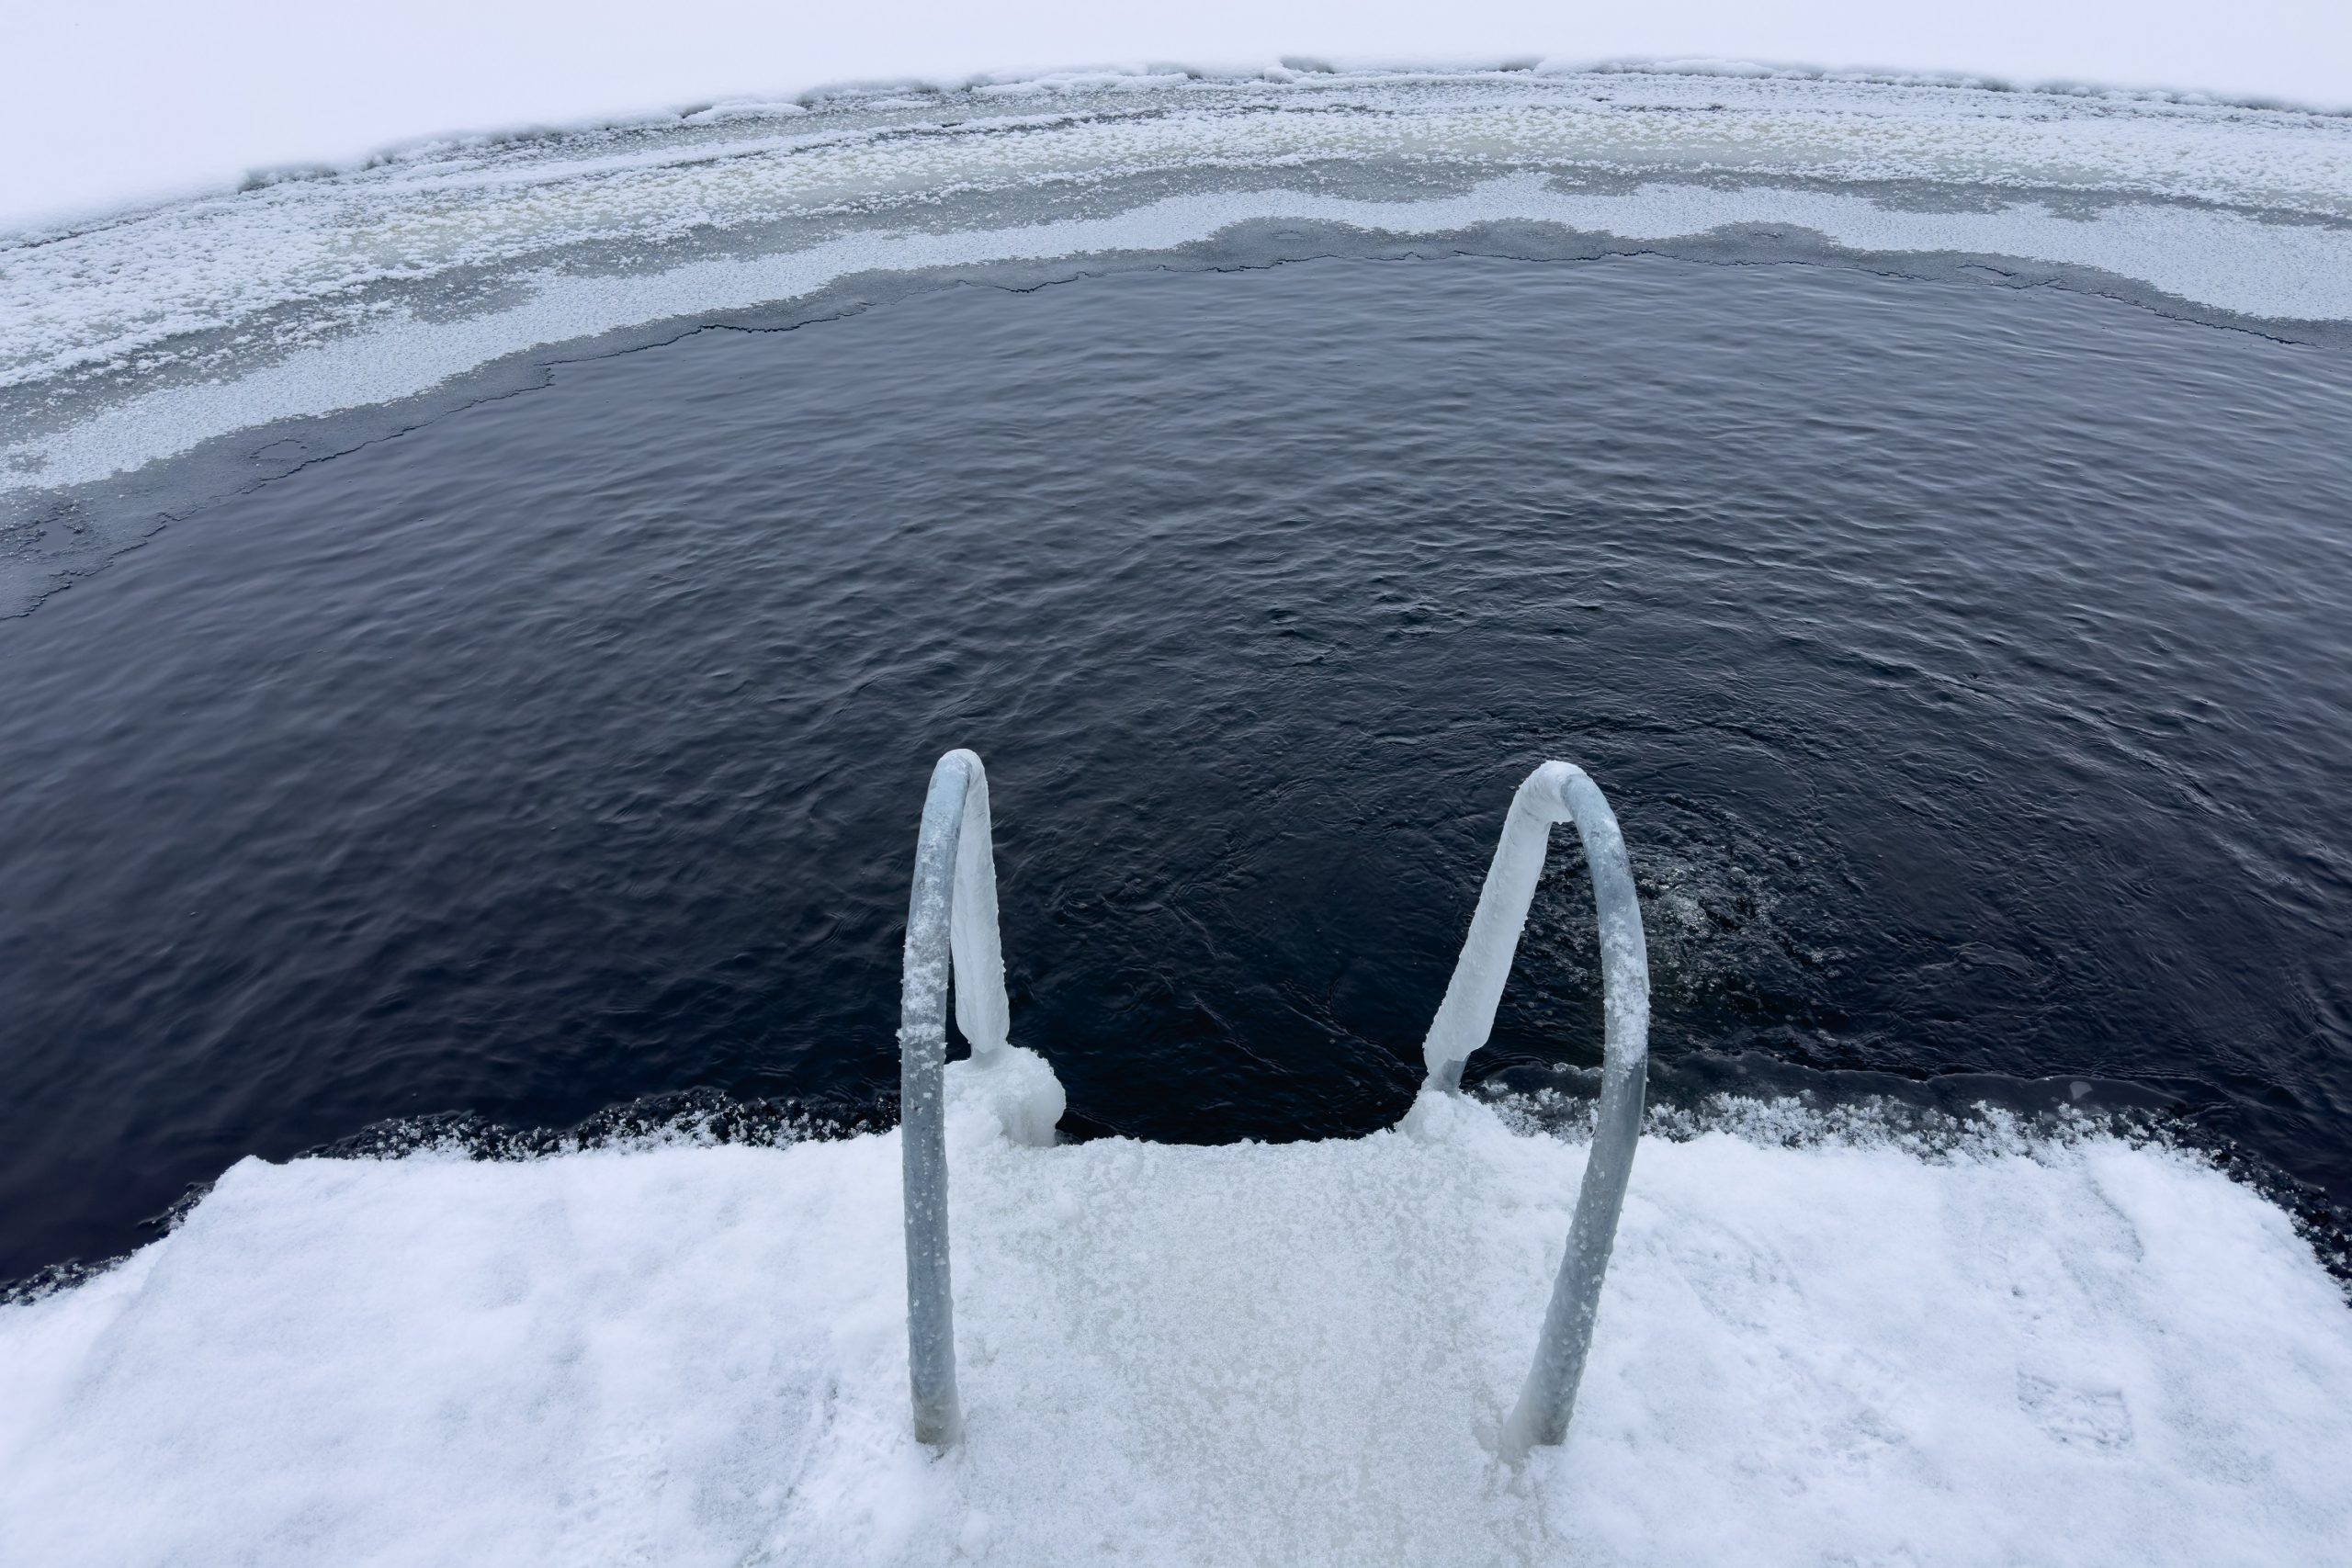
1970 669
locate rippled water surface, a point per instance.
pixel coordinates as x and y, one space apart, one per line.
1970 667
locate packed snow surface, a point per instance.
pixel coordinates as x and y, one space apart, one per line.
1838 1349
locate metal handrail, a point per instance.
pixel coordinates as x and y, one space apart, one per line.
951 933
951 922
1558 792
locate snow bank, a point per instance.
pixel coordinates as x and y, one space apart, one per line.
2088 1353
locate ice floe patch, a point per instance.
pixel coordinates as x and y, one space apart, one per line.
2227 260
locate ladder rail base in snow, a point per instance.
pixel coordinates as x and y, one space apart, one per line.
1559 792
951 925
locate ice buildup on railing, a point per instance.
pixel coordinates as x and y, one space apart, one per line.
1557 791
951 923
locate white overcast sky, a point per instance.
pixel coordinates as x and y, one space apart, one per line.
108 101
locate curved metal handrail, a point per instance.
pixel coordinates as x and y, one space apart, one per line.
951 934
951 923
1558 792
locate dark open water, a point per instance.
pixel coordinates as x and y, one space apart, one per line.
1970 670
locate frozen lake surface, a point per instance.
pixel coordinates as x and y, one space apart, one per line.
159 333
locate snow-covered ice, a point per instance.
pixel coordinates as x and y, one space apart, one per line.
1848 1350
131 341
118 97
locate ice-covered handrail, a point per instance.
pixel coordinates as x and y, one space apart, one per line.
951 921
1557 791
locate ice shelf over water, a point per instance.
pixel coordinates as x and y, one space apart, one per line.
1841 1350
130 340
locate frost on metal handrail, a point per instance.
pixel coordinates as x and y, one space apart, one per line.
1557 791
951 920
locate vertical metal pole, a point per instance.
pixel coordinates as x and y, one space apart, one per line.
1557 791
951 925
